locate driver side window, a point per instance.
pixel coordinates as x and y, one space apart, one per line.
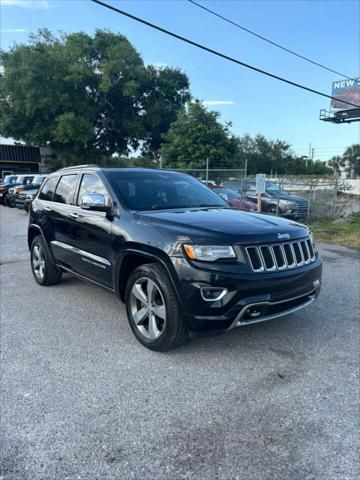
92 184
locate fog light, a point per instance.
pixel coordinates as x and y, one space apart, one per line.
213 294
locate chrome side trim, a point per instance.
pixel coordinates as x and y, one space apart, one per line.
83 253
311 298
87 279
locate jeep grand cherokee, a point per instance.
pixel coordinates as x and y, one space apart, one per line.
172 249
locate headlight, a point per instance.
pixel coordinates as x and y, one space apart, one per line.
29 197
209 253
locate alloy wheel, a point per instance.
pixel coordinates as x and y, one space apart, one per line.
148 308
38 262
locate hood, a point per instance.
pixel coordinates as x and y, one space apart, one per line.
225 224
31 191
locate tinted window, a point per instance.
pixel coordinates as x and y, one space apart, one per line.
65 189
226 191
28 180
160 191
91 184
47 192
38 179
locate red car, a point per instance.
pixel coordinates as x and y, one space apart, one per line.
233 198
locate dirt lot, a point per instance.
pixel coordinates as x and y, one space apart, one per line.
81 399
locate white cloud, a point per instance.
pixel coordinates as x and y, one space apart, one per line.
218 102
215 102
26 3
13 30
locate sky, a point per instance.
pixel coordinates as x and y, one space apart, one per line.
325 31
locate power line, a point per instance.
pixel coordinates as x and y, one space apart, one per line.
219 54
292 52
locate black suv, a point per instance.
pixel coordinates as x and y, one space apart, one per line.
178 256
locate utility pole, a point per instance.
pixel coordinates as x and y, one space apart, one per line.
308 156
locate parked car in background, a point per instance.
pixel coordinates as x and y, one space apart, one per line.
24 197
276 200
8 182
233 198
23 182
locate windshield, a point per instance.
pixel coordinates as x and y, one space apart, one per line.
38 179
10 179
161 190
226 191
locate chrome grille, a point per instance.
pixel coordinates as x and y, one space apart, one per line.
280 256
303 207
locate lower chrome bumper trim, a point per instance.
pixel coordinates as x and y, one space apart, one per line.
310 298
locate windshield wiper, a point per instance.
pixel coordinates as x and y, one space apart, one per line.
205 205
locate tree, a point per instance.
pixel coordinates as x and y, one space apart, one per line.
266 156
85 96
197 135
351 157
166 92
336 164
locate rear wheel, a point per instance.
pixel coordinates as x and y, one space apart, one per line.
273 210
43 268
153 309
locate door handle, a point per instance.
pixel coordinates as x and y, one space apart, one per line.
48 209
73 215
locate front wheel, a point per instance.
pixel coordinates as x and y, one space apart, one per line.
153 310
43 268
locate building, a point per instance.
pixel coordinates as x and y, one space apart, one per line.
22 159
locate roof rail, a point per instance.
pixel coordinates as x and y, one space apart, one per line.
81 166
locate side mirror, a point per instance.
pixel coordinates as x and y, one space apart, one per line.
95 201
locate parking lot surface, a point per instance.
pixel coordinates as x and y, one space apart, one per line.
82 399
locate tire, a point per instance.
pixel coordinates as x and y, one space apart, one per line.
272 210
42 266
6 200
159 326
10 202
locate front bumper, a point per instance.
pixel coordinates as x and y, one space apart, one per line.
20 202
250 298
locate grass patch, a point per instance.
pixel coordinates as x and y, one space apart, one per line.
340 231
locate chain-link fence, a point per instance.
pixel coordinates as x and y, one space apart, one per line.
297 196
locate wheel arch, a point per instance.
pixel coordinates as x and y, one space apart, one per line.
35 230
134 258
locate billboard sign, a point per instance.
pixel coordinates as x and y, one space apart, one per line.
348 90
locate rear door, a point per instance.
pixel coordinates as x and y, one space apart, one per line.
91 234
57 212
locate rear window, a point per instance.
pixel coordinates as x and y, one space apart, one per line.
47 192
65 189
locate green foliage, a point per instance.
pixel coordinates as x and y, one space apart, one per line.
196 135
352 157
337 231
86 96
354 217
165 92
277 157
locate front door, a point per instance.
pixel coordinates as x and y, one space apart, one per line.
90 234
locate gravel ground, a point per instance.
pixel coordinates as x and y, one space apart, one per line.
81 399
